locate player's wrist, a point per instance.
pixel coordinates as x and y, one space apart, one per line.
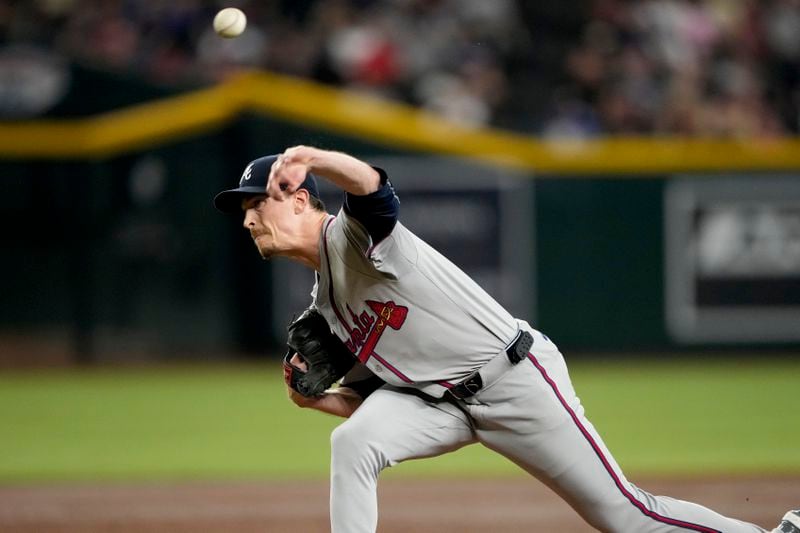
304 155
304 401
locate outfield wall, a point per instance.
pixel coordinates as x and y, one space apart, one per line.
110 241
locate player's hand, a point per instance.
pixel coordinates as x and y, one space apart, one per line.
297 398
299 362
288 172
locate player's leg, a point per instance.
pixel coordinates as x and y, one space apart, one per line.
533 417
389 427
790 523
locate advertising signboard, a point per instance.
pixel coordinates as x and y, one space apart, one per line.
732 251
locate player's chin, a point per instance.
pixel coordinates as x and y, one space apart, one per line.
264 251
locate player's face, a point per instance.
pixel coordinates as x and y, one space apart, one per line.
269 223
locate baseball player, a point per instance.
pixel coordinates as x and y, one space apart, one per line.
440 363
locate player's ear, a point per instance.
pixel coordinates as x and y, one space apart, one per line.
301 200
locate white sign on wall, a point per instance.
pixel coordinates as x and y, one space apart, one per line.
732 251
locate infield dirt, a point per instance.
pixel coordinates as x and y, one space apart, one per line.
461 505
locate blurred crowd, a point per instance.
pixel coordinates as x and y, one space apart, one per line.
576 68
687 67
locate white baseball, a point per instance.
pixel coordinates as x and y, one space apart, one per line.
230 22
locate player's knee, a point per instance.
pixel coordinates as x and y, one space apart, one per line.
615 517
605 524
351 446
340 437
346 441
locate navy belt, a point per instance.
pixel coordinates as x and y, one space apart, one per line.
472 384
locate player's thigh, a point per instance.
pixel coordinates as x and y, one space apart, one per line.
531 419
537 421
402 425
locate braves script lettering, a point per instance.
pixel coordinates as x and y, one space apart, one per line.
368 328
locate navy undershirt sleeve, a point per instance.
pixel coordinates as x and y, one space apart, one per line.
376 211
365 387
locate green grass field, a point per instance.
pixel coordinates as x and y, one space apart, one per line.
170 423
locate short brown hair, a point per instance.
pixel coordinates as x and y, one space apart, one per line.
316 203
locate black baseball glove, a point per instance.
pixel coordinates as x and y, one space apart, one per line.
326 357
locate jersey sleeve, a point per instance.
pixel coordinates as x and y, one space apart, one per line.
376 212
363 234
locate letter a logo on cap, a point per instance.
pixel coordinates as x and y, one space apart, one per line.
247 174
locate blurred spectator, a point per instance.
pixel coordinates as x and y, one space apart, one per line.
683 67
689 67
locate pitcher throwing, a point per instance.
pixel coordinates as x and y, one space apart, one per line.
440 364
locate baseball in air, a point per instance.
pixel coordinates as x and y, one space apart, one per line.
230 22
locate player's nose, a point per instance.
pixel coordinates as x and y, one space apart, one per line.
249 219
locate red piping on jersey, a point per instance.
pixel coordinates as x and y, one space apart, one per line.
330 274
336 308
599 452
391 368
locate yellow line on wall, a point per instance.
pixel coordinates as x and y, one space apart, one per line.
393 124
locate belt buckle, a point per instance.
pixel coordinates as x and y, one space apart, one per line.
469 387
473 384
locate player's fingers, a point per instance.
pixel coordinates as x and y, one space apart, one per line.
298 361
277 185
286 179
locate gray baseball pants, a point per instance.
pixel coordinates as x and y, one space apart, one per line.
530 415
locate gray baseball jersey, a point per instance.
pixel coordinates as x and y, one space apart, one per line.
421 324
409 314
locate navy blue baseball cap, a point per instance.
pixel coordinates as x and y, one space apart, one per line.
254 181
